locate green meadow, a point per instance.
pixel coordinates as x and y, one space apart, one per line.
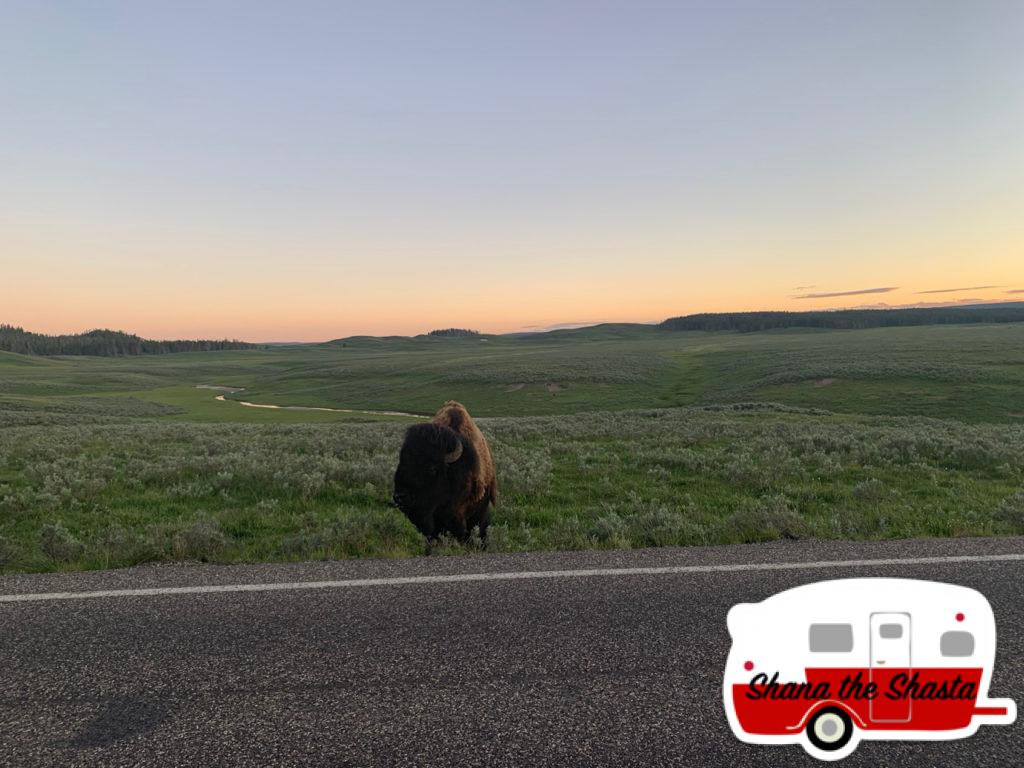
612 436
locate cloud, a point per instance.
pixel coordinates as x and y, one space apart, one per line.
957 290
803 287
1016 290
845 293
928 304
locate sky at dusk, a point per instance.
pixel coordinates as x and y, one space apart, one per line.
310 170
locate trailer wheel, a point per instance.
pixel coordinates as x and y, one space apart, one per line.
830 729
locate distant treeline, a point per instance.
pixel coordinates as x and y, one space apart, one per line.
845 319
101 342
453 332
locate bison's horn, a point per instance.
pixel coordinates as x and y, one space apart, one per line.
454 455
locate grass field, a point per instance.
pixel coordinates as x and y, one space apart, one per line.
614 436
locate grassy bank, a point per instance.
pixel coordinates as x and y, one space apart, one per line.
616 436
99 495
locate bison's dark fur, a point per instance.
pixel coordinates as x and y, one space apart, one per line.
445 481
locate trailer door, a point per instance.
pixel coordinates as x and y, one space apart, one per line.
890 656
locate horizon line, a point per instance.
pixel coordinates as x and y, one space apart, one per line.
531 329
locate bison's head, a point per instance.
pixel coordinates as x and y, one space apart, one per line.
430 466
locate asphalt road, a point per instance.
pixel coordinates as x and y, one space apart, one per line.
603 669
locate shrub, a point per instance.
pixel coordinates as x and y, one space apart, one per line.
191 490
202 540
659 527
8 554
58 544
608 528
567 533
869 490
1010 512
764 519
120 546
499 538
365 532
522 471
511 536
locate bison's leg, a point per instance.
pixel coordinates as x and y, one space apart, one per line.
484 511
459 529
453 521
428 527
484 522
479 516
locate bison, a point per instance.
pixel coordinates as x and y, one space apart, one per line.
445 481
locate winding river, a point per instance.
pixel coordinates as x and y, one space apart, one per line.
232 390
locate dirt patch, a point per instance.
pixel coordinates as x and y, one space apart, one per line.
823 382
514 387
1016 414
555 388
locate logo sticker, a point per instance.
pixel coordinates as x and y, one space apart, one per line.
826 665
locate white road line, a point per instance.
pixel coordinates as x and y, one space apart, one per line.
506 576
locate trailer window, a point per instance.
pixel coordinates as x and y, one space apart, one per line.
956 644
890 631
831 638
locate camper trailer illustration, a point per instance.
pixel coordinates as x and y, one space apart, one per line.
828 664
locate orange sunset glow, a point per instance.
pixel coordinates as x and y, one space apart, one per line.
324 177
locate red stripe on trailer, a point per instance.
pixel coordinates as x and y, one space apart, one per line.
1000 711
